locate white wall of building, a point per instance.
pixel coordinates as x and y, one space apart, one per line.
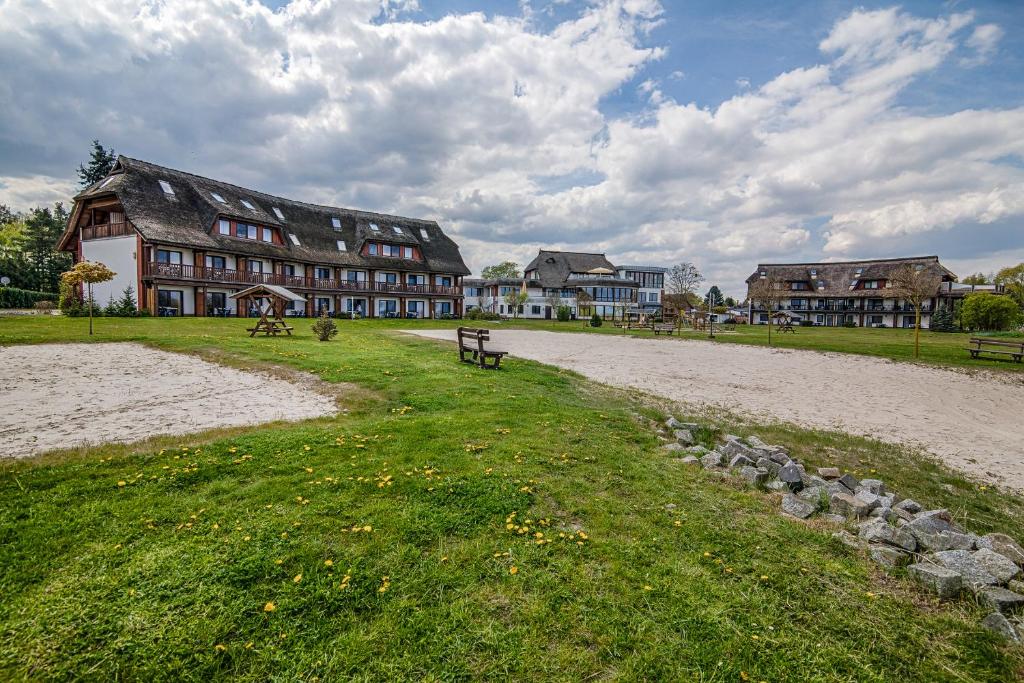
118 254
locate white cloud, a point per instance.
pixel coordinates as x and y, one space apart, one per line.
984 41
494 126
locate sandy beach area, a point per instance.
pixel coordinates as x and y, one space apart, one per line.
66 395
972 421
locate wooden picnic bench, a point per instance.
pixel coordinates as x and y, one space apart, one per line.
667 328
471 341
1004 348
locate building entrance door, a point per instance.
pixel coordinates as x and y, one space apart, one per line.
547 313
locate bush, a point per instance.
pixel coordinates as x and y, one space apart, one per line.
564 313
12 297
985 311
324 328
943 321
849 323
477 313
595 320
123 306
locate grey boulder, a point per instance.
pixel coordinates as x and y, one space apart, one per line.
888 557
880 532
1003 568
1000 624
1000 599
755 475
961 561
1004 545
794 506
683 436
828 472
944 582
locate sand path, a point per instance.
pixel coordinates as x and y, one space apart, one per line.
64 395
974 422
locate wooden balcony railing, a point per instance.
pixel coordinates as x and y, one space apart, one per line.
96 232
176 271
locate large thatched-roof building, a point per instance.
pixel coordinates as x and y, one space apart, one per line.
184 243
847 293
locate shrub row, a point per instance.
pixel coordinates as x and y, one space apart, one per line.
12 297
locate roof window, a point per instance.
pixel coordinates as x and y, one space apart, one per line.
424 234
374 227
336 223
218 197
341 245
277 212
247 205
294 239
166 187
398 230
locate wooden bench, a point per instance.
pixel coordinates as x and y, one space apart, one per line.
1003 348
471 341
667 328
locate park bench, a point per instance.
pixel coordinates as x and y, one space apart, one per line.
1004 348
667 328
471 341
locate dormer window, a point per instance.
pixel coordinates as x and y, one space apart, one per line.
336 223
371 249
277 212
374 227
247 205
224 227
218 197
407 252
166 187
341 245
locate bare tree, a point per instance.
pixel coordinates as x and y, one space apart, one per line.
680 282
768 291
915 284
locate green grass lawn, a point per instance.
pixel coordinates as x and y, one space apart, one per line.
454 524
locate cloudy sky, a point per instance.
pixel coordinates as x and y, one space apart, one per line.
655 132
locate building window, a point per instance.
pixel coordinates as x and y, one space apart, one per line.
277 212
268 235
388 250
652 297
341 245
398 230
218 197
166 187
336 223
247 205
164 256
389 278
225 227
372 249
871 284
255 266
355 276
424 234
417 279
216 303
241 230
323 303
374 227
216 262
535 310
445 281
385 307
445 308
288 269
407 252
323 273
797 286
294 239
168 302
642 297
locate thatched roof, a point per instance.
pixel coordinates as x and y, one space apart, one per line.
557 269
840 278
187 217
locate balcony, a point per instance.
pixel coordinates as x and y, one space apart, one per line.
182 272
98 232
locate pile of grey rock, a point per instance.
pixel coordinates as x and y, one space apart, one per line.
895 531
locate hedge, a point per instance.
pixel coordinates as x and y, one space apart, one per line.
12 297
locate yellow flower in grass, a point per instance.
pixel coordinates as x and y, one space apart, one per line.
122 483
298 577
328 563
220 648
248 646
269 607
385 584
513 570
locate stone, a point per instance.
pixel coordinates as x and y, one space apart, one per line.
909 505
673 423
931 522
813 495
875 486
734 448
776 485
849 540
849 481
1004 545
697 450
1000 624
963 562
740 461
770 465
671 447
828 472
888 557
754 475
689 460
835 487
712 459
1001 599
883 513
902 515
869 499
755 442
683 436
791 505
877 531
944 582
942 540
847 505
791 476
1003 568
1016 585
835 519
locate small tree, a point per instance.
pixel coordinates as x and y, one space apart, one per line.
1012 278
768 291
714 298
564 313
595 320
680 282
506 269
87 273
942 320
100 162
325 328
514 300
915 284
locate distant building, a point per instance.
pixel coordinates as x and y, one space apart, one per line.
858 293
586 283
185 243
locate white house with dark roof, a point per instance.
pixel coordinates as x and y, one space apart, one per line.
184 243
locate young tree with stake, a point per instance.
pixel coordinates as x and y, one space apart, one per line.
915 284
768 291
87 273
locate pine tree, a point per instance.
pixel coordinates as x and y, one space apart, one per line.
100 162
714 297
42 263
